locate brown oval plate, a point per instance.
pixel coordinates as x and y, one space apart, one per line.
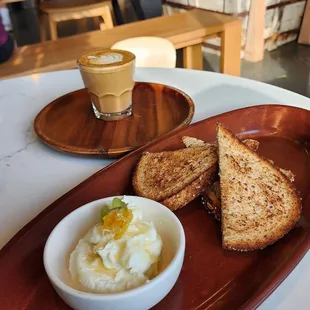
68 123
211 277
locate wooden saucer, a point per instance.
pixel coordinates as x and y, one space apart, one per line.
68 123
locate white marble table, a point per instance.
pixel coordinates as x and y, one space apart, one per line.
33 175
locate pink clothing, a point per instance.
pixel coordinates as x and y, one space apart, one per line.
3 34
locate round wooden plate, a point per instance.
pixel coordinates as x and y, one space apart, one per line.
68 123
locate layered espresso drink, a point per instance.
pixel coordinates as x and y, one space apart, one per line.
108 77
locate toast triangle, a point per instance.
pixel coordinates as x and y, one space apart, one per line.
259 204
161 175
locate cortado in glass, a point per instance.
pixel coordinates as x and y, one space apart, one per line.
108 76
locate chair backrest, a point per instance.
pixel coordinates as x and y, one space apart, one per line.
150 51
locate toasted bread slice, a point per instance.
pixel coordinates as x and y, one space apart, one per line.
191 191
193 142
289 174
259 204
159 176
211 197
200 185
211 200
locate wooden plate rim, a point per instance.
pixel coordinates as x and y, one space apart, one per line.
110 152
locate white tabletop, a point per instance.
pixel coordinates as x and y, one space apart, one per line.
33 175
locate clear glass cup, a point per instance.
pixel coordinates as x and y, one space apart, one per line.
108 76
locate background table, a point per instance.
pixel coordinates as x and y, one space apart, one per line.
33 175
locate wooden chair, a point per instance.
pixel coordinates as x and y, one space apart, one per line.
57 11
186 31
150 51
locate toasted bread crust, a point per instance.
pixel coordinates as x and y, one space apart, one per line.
191 191
161 175
193 142
251 224
211 199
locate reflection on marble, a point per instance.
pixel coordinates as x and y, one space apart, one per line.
33 175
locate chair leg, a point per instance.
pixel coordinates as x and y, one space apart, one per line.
230 61
192 57
107 18
53 28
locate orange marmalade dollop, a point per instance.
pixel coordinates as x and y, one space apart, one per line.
117 221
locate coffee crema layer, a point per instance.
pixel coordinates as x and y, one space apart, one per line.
106 58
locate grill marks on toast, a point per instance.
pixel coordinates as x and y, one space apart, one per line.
159 176
259 204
